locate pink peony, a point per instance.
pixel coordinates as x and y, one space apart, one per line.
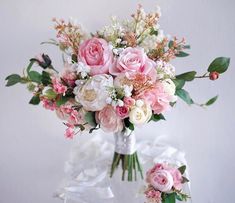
108 120
58 86
96 53
157 97
177 177
122 111
134 60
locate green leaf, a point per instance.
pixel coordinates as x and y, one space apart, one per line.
179 83
185 180
157 117
188 76
184 95
30 66
13 79
46 79
90 118
219 65
35 100
179 197
62 100
187 46
182 54
182 169
170 44
128 124
211 101
35 76
170 198
50 94
153 32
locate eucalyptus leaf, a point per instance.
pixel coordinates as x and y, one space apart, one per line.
219 65
35 76
184 95
182 54
35 100
211 101
188 76
13 79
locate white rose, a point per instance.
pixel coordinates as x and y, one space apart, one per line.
140 115
162 180
93 94
169 88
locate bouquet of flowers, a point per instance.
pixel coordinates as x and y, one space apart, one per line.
165 184
116 79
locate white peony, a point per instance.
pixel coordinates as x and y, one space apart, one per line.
140 115
93 94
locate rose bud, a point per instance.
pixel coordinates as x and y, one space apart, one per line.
214 75
43 60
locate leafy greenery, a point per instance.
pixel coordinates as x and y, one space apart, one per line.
62 100
182 54
128 124
13 79
157 117
184 95
211 101
169 198
90 118
182 169
219 65
46 80
179 83
50 94
188 76
35 76
35 100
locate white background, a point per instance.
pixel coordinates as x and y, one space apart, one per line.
32 146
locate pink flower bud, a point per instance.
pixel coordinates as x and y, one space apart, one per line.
214 75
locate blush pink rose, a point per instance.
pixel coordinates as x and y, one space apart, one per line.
162 180
134 60
157 97
96 53
128 101
122 111
108 120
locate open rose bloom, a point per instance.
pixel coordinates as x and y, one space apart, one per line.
165 182
116 79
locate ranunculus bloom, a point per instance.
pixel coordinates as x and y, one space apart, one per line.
96 53
94 93
162 180
134 60
122 111
108 120
140 115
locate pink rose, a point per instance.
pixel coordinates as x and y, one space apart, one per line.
122 111
96 53
162 180
157 97
177 177
134 60
108 120
128 101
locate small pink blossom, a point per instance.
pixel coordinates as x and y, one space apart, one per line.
153 195
122 111
128 101
48 104
69 75
69 133
58 86
108 120
96 53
